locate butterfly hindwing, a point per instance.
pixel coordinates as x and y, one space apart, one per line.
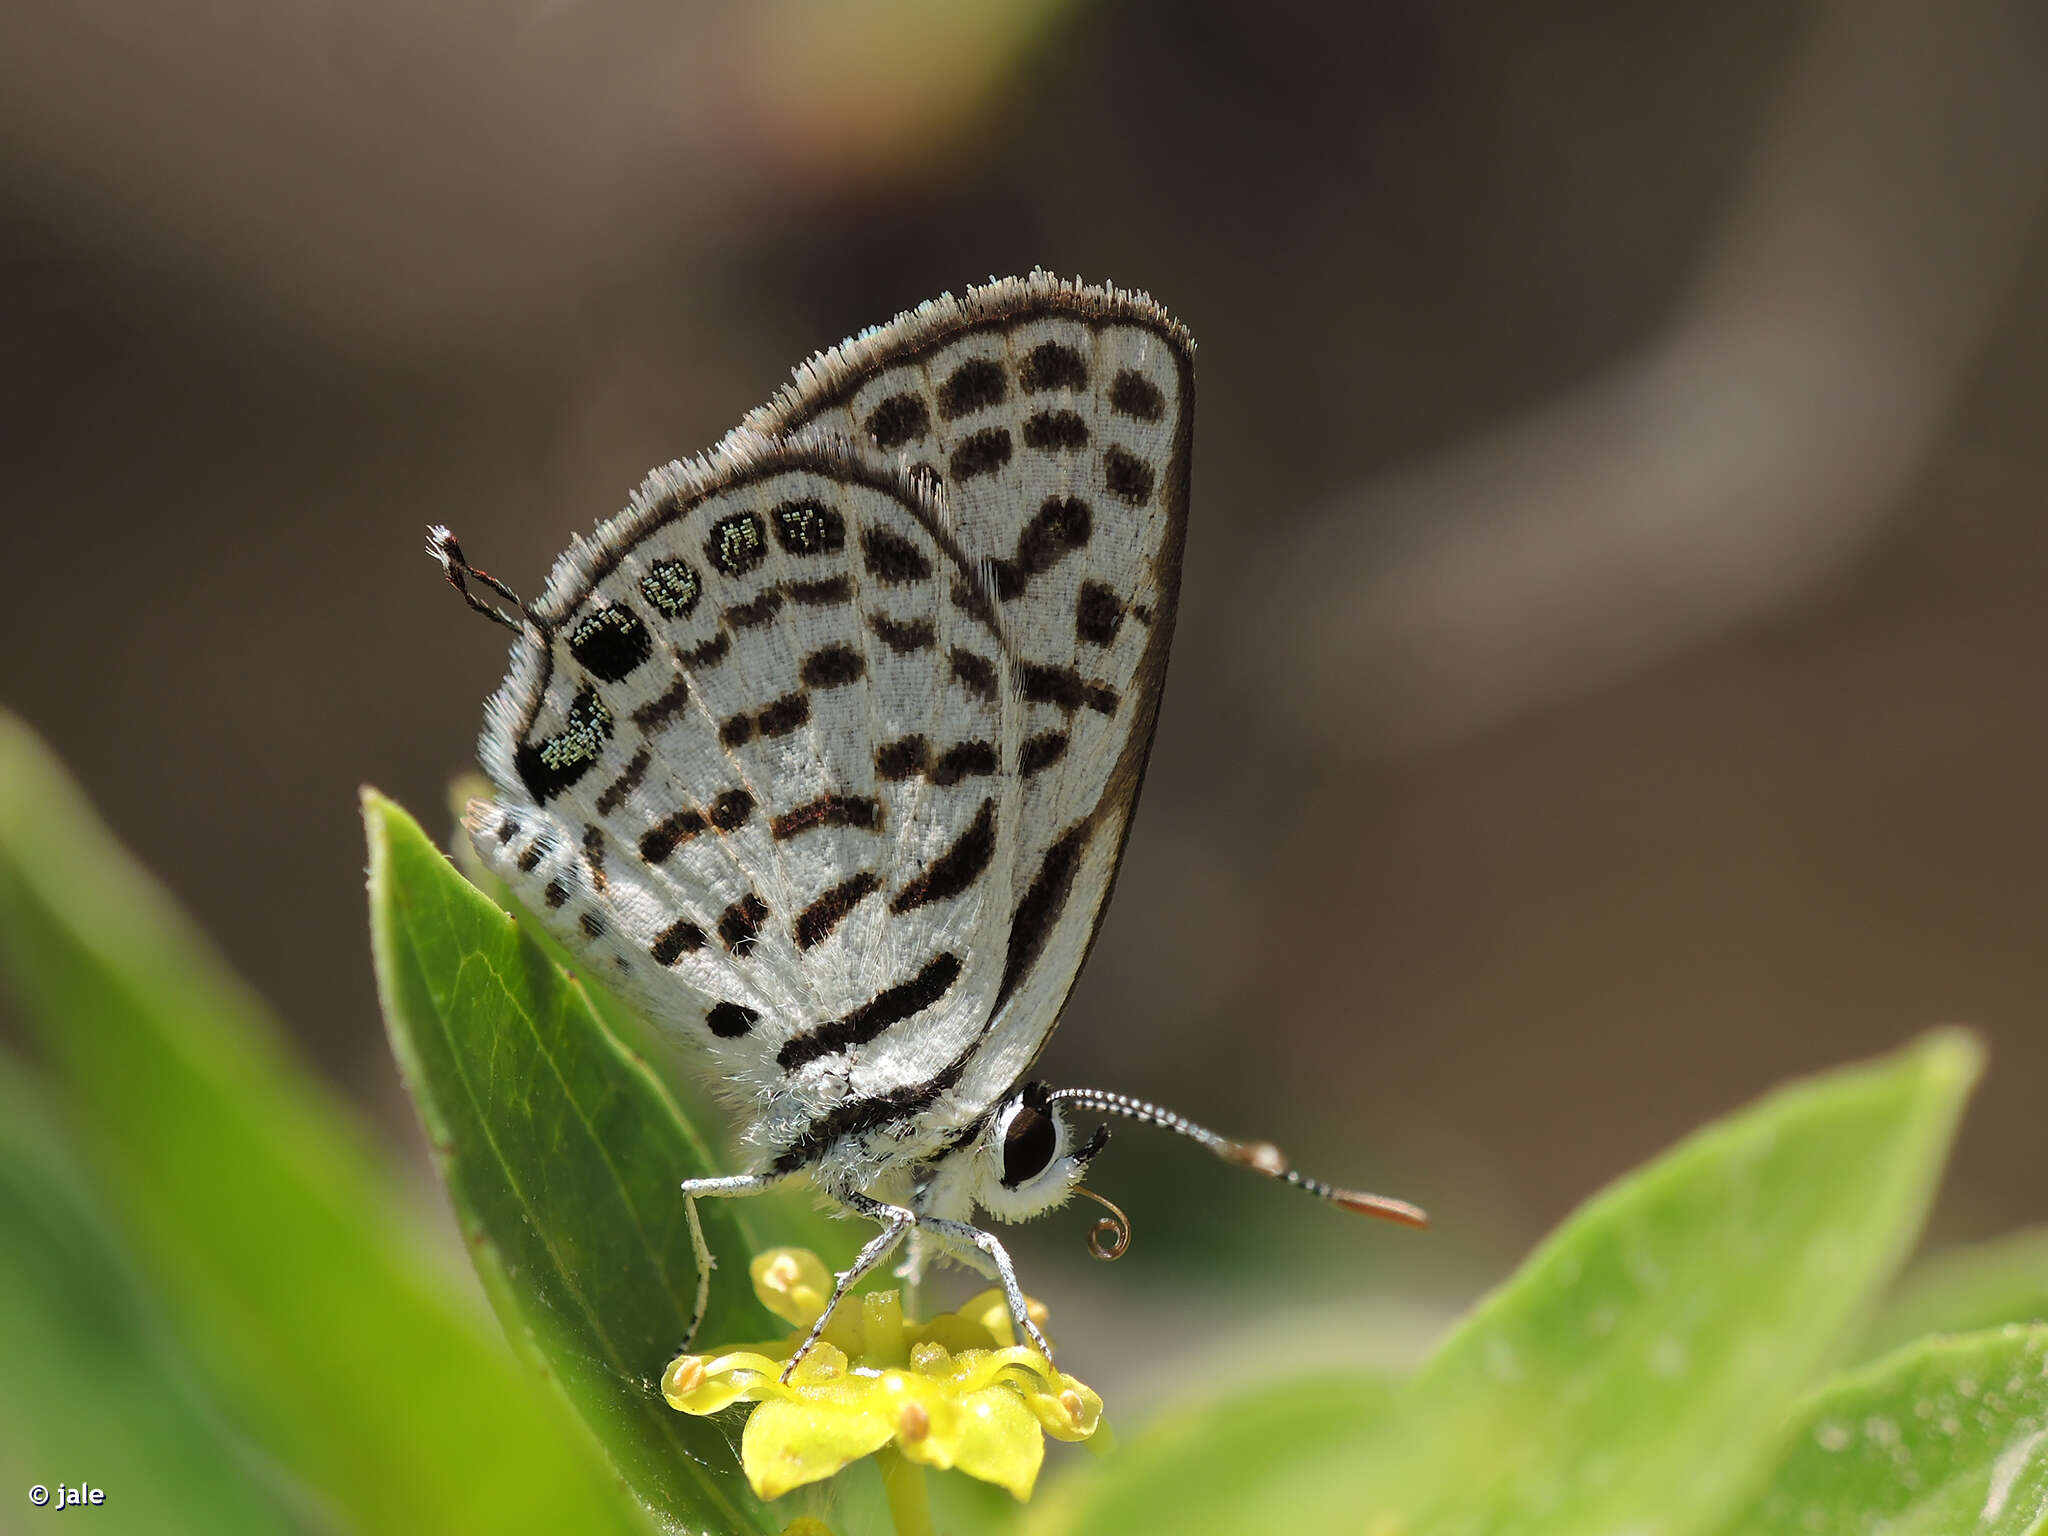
741 774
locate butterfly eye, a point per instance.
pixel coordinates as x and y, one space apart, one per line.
1029 1141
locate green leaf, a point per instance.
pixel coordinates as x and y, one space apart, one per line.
790 1212
1636 1371
1188 1472
93 1391
1946 1435
563 1153
1981 1285
1635 1374
278 1245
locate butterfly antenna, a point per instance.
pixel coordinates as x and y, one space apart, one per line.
442 545
1260 1156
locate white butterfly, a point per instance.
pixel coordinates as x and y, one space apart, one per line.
824 750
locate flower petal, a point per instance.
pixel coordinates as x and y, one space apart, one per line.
700 1385
787 1443
793 1283
954 1392
999 1441
1074 1412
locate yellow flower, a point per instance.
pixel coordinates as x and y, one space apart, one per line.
954 1392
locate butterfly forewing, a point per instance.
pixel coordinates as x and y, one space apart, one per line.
1057 421
733 779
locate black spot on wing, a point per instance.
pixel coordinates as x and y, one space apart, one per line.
1041 751
905 636
731 810
898 420
661 839
1053 365
740 923
820 594
1062 524
967 759
675 941
1066 688
975 385
1055 431
809 528
786 714
592 924
736 544
550 765
752 615
614 794
1129 477
891 558
890 1006
672 587
1098 614
903 758
953 871
729 1021
664 707
610 642
981 454
834 666
975 673
710 653
1136 396
817 921
829 811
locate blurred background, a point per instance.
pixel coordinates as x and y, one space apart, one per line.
1610 666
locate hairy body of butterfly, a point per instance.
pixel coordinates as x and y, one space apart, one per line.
825 750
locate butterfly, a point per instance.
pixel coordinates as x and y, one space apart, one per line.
824 752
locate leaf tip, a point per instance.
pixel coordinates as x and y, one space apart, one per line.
1951 1057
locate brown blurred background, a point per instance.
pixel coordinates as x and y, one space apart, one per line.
1610 674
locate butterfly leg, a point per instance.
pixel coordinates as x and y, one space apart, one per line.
980 1251
732 1186
896 1220
911 1270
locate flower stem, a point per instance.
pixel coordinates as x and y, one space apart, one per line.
910 1504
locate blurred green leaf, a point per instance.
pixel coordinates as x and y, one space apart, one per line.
1224 1465
1636 1372
279 1245
1961 1290
1947 1435
563 1153
93 1390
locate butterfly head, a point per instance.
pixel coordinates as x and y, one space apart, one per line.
1030 1159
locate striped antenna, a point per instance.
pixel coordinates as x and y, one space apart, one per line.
1260 1156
